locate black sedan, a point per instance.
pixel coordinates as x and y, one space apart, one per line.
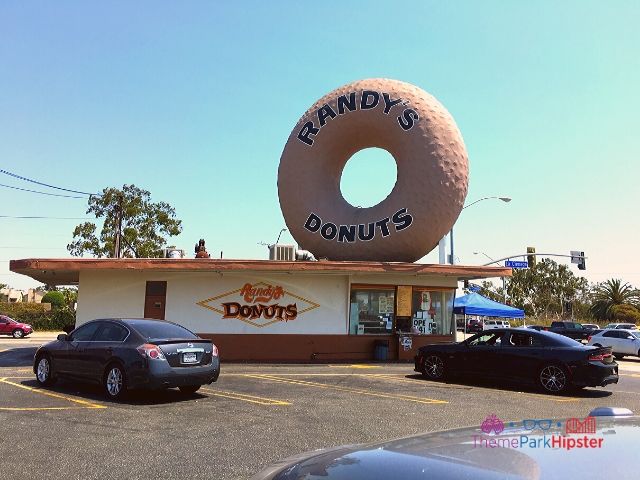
554 362
126 354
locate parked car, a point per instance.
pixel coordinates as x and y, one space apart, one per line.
622 342
625 326
570 329
536 327
474 326
124 354
492 324
8 326
456 454
553 362
591 326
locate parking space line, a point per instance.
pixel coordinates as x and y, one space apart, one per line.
304 383
31 409
52 394
245 398
354 366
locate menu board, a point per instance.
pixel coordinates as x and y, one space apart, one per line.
404 301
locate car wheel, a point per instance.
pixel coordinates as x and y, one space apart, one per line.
618 356
17 333
553 378
114 381
433 367
189 389
44 371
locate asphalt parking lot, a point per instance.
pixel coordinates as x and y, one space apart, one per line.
253 416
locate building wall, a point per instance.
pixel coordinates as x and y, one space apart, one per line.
121 294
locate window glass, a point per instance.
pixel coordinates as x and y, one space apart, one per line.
610 334
486 339
523 340
372 311
85 332
636 334
432 312
111 332
157 329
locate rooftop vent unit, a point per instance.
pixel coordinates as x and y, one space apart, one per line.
285 253
173 252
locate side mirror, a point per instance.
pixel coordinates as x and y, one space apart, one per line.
62 337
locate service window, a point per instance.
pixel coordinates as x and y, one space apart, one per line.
372 310
432 311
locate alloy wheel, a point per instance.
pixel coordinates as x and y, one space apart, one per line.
42 372
553 378
114 381
434 366
18 334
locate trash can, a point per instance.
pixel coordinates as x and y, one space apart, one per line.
381 350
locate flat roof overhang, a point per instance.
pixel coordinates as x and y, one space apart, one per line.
66 271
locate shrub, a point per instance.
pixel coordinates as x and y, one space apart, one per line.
56 299
626 313
37 315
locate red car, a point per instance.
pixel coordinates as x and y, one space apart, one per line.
8 326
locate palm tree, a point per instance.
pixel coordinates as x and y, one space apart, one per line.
609 294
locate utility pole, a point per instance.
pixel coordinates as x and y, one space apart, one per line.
118 236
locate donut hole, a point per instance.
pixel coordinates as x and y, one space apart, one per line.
368 177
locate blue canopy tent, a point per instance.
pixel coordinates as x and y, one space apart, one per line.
475 304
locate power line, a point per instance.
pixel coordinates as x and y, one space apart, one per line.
43 184
41 193
47 218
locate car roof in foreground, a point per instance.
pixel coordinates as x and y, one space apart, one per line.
460 453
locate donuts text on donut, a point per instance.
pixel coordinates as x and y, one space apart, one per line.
369 99
364 232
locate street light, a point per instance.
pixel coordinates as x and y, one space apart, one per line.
504 283
504 199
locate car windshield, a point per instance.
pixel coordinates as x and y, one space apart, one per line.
156 329
635 334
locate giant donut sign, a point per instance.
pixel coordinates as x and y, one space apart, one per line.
431 183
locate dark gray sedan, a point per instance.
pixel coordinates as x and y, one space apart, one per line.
126 354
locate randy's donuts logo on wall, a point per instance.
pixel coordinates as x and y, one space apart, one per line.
432 173
259 304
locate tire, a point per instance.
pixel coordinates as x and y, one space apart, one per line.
553 378
114 381
44 371
17 333
433 367
189 389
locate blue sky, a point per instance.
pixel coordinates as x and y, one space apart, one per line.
194 102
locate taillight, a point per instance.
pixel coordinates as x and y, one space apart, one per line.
151 351
214 350
599 357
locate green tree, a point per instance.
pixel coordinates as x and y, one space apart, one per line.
145 225
55 298
611 294
543 289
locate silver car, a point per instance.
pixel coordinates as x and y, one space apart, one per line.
622 342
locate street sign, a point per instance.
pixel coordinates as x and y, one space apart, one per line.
515 264
576 256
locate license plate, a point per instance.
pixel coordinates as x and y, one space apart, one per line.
189 358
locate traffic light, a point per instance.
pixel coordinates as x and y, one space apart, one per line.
531 258
582 264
